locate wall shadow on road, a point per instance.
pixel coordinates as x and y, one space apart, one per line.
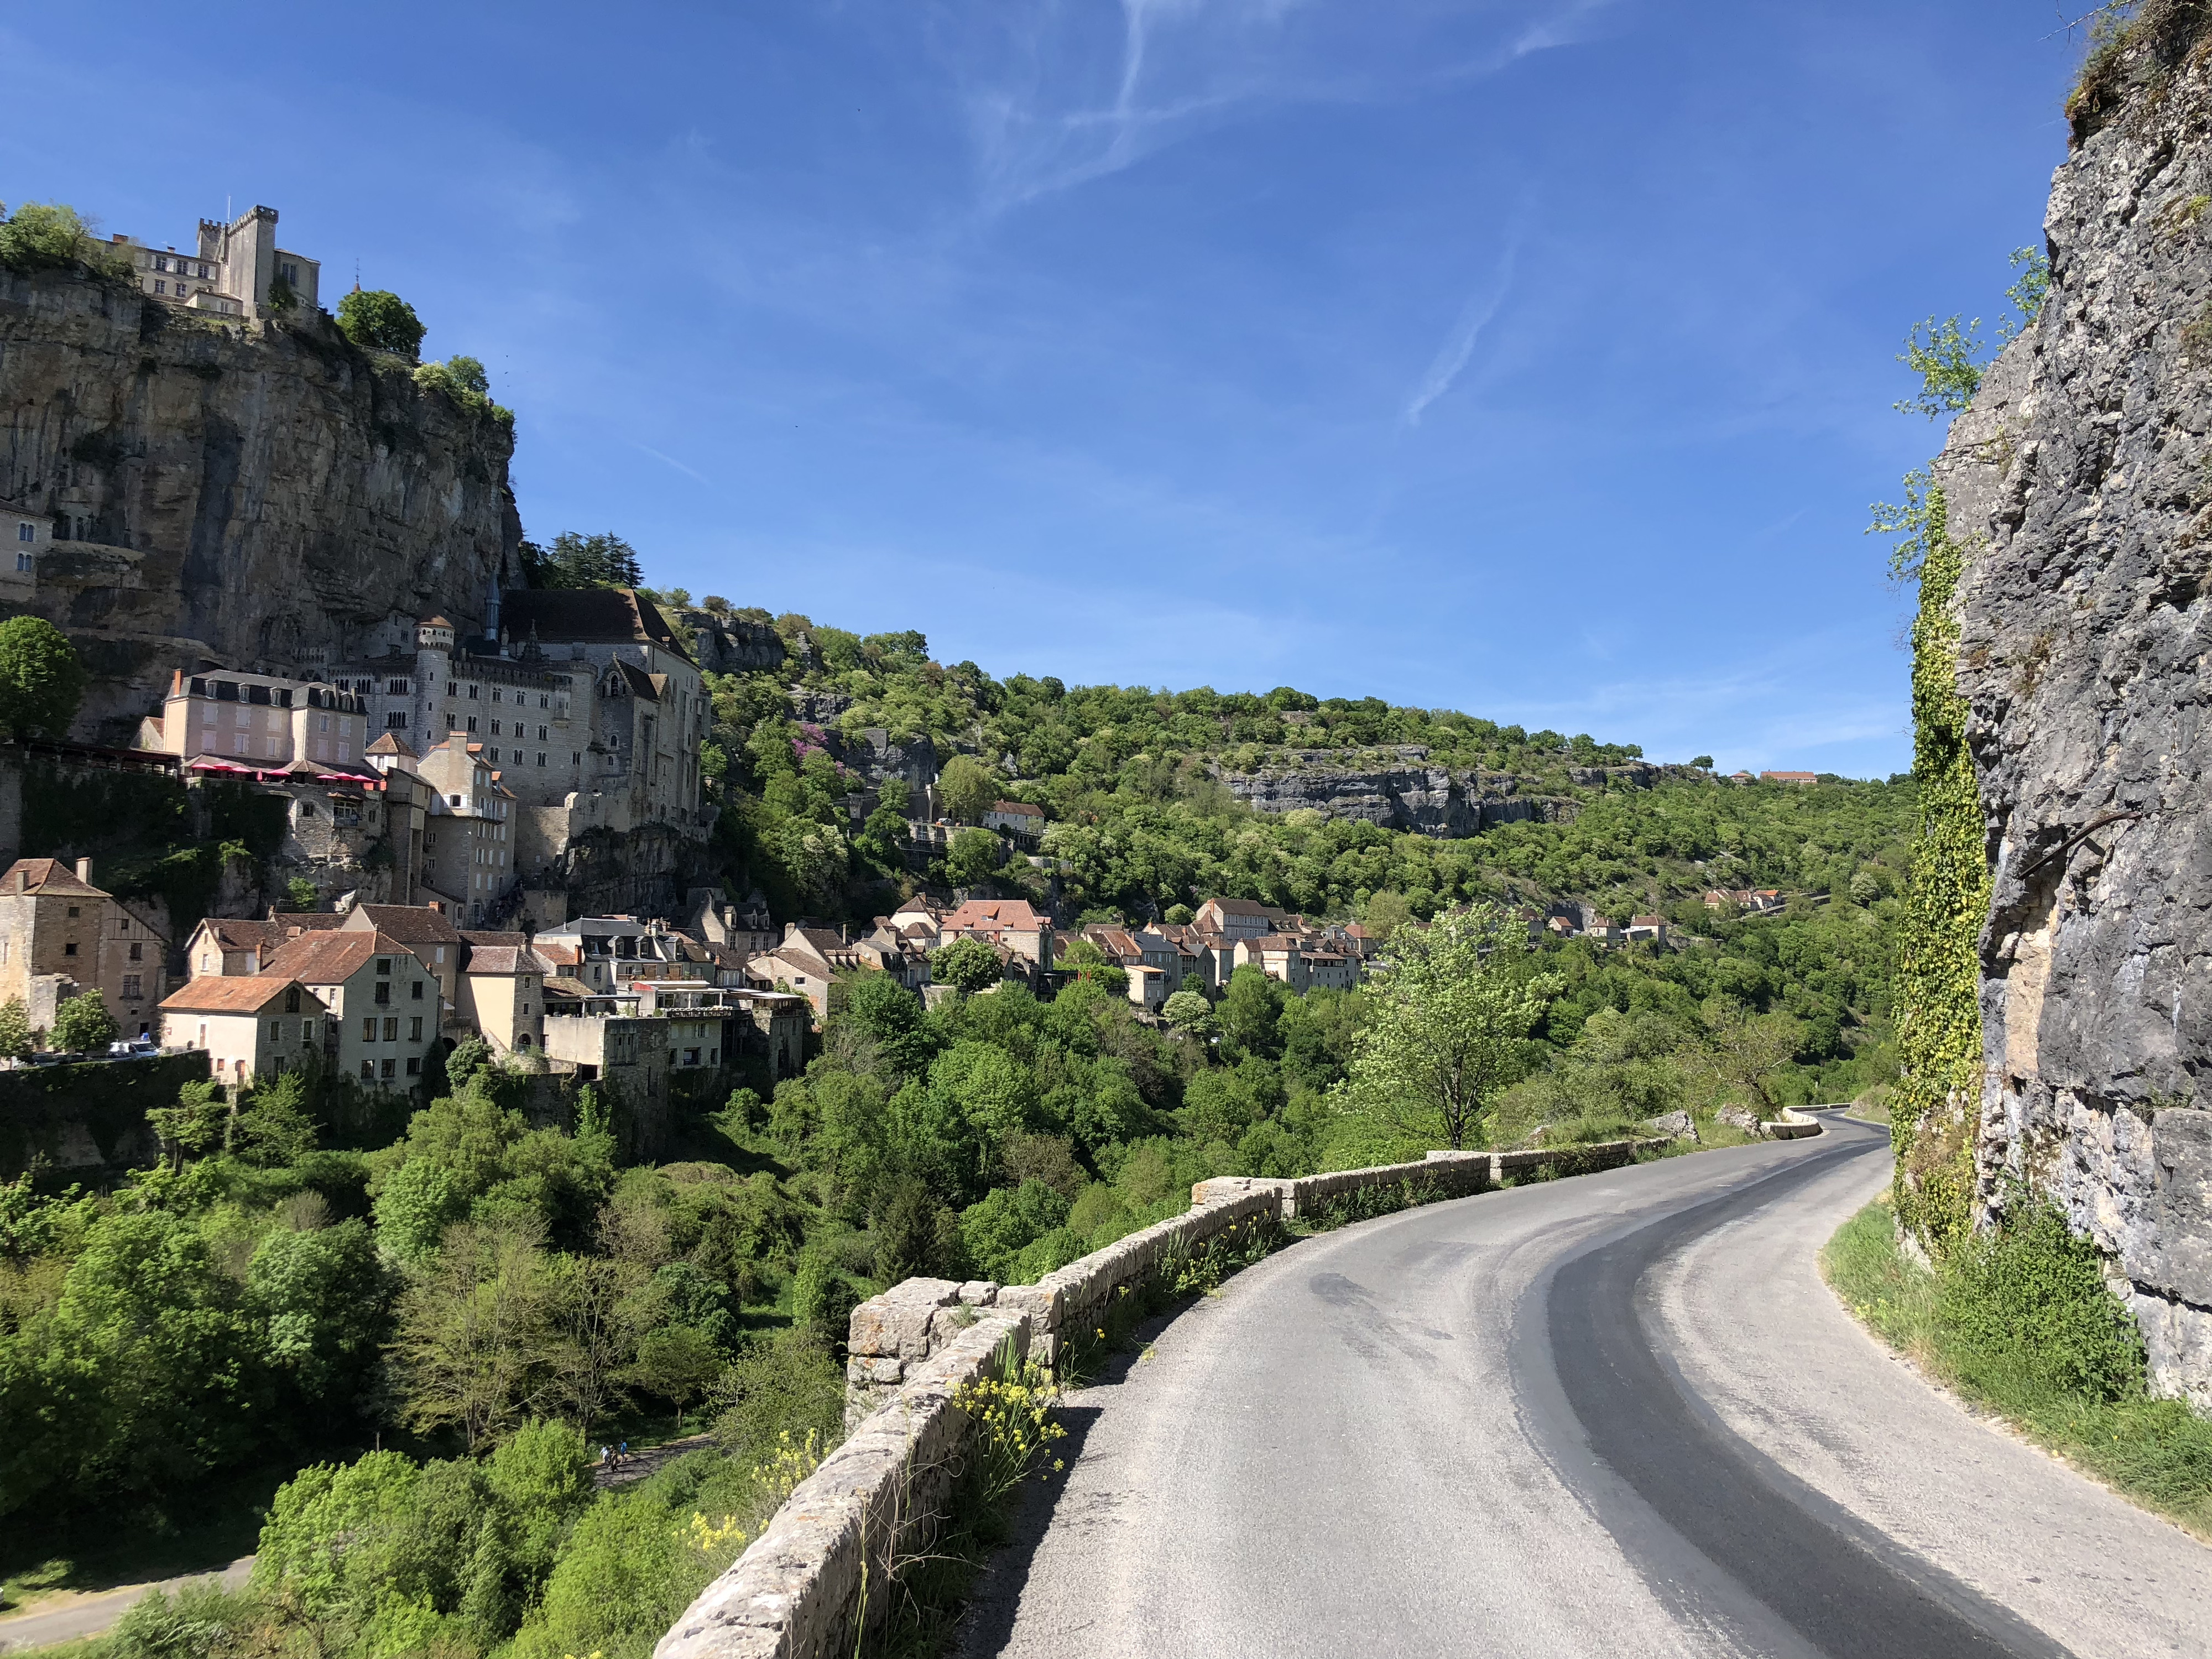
994 1597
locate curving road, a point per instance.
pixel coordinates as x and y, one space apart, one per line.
1617 1415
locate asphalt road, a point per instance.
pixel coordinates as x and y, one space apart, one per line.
1616 1415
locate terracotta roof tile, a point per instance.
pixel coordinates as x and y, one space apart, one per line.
212 994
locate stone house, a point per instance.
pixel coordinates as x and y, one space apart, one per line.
250 1026
502 993
807 964
24 535
427 932
1012 923
1235 919
1023 825
383 1003
60 936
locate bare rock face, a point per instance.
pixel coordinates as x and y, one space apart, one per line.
730 645
2079 486
1411 795
262 493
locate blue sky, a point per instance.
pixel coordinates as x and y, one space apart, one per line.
1533 359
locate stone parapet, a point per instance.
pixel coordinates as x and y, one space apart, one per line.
822 1578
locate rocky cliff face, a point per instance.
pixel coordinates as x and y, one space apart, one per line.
1409 791
261 493
2079 486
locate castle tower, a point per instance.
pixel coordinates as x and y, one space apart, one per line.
433 661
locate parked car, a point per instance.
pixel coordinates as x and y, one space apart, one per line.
133 1048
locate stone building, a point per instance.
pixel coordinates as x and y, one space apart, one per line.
60 936
257 721
249 1026
383 1003
235 269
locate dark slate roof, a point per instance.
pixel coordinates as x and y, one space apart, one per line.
597 615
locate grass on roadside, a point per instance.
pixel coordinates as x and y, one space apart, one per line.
2022 1326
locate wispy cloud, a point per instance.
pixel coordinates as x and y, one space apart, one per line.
1452 356
671 461
1056 109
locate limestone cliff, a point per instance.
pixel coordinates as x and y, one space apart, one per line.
1404 788
260 492
2078 489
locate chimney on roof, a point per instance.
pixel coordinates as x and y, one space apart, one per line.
84 870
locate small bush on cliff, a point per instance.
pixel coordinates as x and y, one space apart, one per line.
464 380
41 678
377 320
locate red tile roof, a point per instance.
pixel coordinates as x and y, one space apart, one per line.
45 876
212 994
330 958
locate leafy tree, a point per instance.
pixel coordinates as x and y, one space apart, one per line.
273 1129
2027 291
14 1030
1703 763
473 1344
676 1363
965 791
973 857
1188 1010
464 380
82 1024
1446 1017
44 236
323 1294
1089 964
302 893
378 320
41 678
901 1042
1251 1009
1744 1051
968 964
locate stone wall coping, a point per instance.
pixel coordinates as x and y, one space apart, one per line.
797 1589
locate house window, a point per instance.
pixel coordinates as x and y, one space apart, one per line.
368 1031
418 993
72 910
395 722
541 734
137 952
415 1065
23 561
384 996
384 964
473 722
474 689
368 1070
69 949
541 758
575 759
542 702
495 694
276 1030
391 1031
307 1030
415 1028
390 1067
132 984
160 287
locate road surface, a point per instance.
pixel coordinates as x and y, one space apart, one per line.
1609 1416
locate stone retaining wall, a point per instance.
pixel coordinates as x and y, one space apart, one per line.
820 1580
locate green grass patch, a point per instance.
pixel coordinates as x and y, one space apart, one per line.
2021 1324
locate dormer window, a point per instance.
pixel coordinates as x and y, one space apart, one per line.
384 965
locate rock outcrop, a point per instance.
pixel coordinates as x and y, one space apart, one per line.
261 493
1406 793
2079 486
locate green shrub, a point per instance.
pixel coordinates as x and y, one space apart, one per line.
378 320
2031 1300
200 1620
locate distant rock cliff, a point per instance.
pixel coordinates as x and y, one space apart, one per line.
2079 487
264 493
1404 789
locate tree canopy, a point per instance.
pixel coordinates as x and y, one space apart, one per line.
42 678
376 319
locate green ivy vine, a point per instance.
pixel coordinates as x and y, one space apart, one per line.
1935 1115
